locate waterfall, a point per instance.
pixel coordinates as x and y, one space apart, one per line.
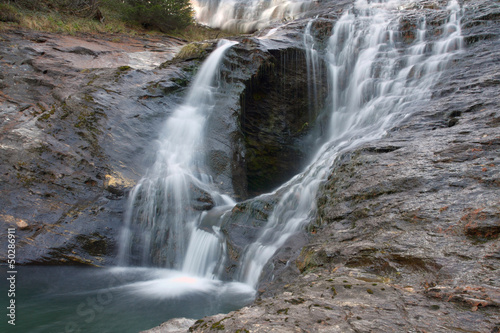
246 15
375 84
312 61
162 215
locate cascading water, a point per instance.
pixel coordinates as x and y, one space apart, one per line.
160 218
312 60
246 15
374 81
374 85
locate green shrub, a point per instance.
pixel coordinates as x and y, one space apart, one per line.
164 15
8 13
79 8
172 16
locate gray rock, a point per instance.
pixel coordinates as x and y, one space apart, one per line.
71 145
176 325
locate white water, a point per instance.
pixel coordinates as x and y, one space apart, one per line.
159 221
312 61
157 283
247 15
207 249
374 85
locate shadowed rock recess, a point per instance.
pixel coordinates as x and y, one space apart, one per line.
406 234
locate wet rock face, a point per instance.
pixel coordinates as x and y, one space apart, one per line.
275 120
73 130
242 227
261 127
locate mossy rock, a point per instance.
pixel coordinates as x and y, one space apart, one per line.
124 68
192 51
95 244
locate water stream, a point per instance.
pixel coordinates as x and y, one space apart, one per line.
247 15
313 68
161 214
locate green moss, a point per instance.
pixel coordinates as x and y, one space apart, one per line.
306 261
198 324
25 179
45 116
42 148
41 107
257 96
369 291
434 307
295 301
348 286
193 69
304 127
124 68
66 111
180 81
88 119
283 311
193 51
92 79
334 291
94 244
218 325
88 98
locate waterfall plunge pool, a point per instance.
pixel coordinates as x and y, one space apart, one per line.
109 300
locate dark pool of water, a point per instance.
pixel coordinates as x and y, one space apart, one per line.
75 299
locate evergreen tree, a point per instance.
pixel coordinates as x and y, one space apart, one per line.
164 15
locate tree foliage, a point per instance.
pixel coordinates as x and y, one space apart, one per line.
80 8
164 15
